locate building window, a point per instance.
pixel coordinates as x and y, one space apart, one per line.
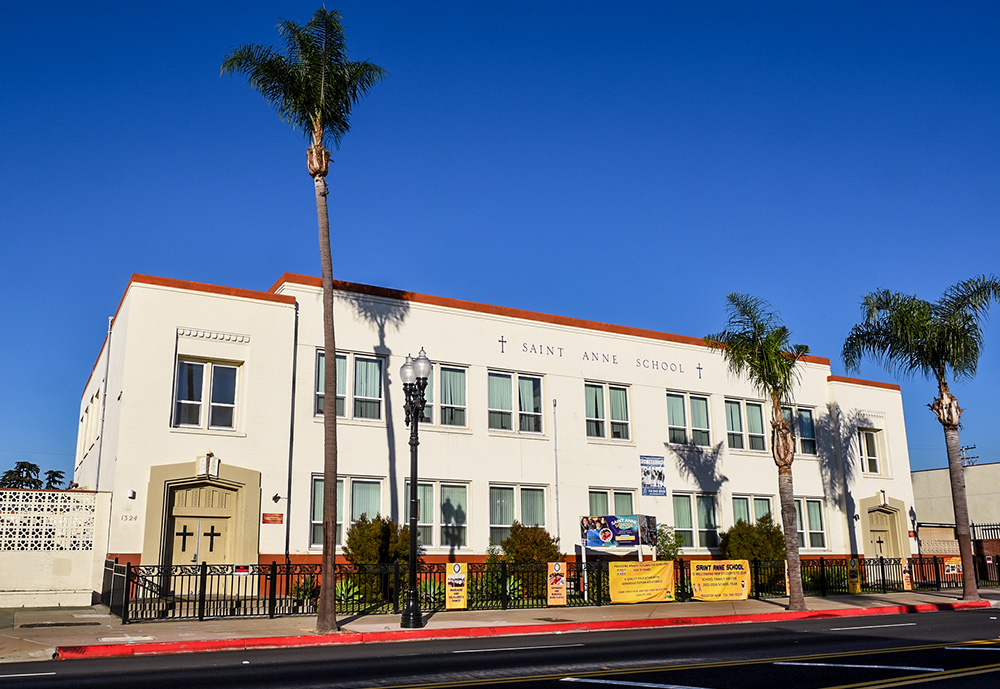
501 402
869 451
745 425
453 406
316 520
367 386
816 534
678 429
696 514
452 513
603 499
742 505
595 395
803 426
198 381
509 502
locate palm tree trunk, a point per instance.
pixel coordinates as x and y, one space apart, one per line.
949 414
783 448
326 618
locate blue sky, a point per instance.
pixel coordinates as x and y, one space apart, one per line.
626 163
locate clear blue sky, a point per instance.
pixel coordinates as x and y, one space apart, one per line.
628 163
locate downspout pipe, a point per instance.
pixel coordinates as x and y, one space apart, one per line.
291 436
104 403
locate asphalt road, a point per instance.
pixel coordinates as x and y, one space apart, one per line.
941 650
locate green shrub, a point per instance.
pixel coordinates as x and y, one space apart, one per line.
530 544
377 541
668 543
306 588
761 541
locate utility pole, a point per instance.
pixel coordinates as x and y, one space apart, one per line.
968 461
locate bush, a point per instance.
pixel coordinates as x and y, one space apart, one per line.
377 541
668 543
761 541
530 544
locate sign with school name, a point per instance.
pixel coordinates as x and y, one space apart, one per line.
720 579
641 582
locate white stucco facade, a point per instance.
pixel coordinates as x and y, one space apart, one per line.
515 427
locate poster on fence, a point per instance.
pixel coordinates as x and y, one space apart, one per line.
853 576
907 578
641 582
614 531
720 579
556 584
457 597
953 565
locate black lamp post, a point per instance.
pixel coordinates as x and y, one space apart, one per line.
414 373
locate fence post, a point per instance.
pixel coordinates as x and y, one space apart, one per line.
395 588
755 578
881 566
599 570
272 585
503 586
937 573
125 593
202 585
822 576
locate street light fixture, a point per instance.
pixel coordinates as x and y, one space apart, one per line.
414 374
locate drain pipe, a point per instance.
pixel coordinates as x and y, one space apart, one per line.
104 404
291 436
555 452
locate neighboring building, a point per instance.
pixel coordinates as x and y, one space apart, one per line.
934 512
203 417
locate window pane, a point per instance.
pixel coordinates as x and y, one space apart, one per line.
501 512
189 381
734 425
366 498
619 404
761 508
682 512
500 402
815 509
598 503
623 503
224 384
425 501
675 411
755 426
453 387
454 515
807 432
741 510
533 507
699 412
706 512
221 417
367 388
529 394
593 399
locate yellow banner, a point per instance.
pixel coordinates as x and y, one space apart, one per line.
556 587
853 576
720 579
456 595
641 582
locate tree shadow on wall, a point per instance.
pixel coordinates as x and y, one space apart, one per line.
383 315
699 464
837 435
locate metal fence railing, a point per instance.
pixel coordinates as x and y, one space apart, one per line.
155 592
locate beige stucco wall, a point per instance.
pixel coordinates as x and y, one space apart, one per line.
932 494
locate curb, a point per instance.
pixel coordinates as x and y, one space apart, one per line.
399 635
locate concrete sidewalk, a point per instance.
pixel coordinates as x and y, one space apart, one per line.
45 633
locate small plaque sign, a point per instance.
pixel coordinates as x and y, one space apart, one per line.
272 518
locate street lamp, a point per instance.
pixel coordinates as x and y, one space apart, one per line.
414 374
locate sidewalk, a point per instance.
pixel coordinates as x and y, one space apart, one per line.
44 633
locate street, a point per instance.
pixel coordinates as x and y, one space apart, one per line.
954 649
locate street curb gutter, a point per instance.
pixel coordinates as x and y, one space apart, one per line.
396 635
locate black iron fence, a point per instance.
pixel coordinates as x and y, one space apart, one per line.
155 592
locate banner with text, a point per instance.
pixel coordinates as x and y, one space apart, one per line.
556 584
456 596
653 471
641 582
609 530
720 579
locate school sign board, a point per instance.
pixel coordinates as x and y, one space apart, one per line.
618 531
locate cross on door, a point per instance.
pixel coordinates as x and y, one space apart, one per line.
212 535
184 533
880 543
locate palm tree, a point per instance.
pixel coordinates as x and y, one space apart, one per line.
909 335
755 344
23 475
313 86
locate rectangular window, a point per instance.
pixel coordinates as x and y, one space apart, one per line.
454 515
453 405
683 521
803 426
755 426
742 506
316 519
425 511
678 430
604 499
702 521
813 519
529 509
449 515
197 381
734 425
708 526
869 451
617 403
367 386
501 402
745 425
366 499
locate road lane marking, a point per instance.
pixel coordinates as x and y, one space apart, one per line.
515 648
972 648
28 674
873 626
867 667
620 683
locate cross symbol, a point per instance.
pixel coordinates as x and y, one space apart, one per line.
184 533
699 371
502 343
880 543
212 535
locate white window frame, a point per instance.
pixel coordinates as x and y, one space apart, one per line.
441 406
611 496
515 399
317 523
746 437
518 505
346 381
752 501
806 529
437 524
688 428
699 533
795 413
205 403
866 459
607 424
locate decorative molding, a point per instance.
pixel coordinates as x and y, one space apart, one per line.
46 520
213 335
868 413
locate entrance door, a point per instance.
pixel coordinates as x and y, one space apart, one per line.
880 543
201 527
200 540
882 536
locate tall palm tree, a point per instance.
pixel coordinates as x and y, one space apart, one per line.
909 335
313 86
755 344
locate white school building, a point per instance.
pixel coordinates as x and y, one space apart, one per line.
203 418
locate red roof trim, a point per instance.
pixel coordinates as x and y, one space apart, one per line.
448 302
858 381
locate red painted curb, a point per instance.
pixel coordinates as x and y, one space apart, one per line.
396 635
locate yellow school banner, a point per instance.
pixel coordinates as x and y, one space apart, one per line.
556 585
457 596
641 582
853 576
720 579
